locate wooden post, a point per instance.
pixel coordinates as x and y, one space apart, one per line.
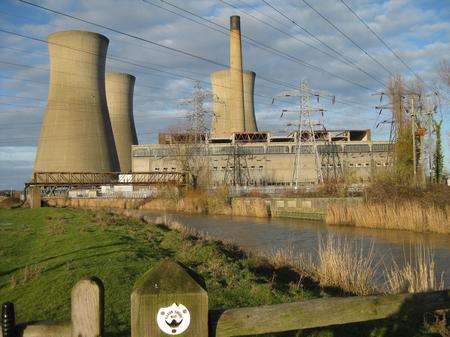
88 308
168 301
34 196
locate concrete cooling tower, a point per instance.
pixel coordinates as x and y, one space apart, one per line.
222 118
233 88
119 95
76 133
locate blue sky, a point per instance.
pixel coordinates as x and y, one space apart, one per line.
418 30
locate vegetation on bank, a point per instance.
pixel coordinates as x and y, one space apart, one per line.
393 201
350 266
45 251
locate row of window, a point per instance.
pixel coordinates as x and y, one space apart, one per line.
253 167
356 165
250 150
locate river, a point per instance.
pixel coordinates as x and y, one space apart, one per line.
269 234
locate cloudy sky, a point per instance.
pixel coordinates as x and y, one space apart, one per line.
352 64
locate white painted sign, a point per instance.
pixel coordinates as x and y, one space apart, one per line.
173 320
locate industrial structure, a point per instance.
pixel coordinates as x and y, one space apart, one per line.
88 139
119 95
76 133
270 160
223 119
236 153
233 88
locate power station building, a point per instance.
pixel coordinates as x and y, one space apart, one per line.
236 153
88 127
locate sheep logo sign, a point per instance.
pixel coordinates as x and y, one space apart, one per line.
174 319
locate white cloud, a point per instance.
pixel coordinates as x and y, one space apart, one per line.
419 35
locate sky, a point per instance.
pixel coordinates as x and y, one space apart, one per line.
352 65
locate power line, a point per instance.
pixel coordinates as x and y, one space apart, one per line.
182 51
346 36
343 59
151 68
382 41
264 46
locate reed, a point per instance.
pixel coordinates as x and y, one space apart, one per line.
346 265
407 215
418 273
353 268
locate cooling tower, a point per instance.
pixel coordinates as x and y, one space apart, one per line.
76 133
222 118
119 95
249 108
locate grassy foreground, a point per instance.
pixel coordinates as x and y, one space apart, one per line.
44 252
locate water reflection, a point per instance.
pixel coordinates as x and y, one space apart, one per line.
267 235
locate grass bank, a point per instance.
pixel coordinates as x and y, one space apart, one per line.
44 252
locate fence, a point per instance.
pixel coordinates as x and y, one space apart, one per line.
171 300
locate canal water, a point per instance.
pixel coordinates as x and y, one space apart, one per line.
266 235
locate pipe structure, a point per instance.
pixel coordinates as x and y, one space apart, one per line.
76 133
236 104
119 95
222 117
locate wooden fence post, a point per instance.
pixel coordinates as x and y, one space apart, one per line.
167 300
88 308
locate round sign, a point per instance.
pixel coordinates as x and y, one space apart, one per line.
174 319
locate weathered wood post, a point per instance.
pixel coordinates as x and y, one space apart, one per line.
88 308
34 196
168 301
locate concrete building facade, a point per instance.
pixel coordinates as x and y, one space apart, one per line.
76 133
119 95
270 160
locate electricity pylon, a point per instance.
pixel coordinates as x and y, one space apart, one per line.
305 128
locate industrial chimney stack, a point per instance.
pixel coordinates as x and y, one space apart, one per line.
236 104
76 134
119 95
233 109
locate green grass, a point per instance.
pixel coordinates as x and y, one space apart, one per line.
44 252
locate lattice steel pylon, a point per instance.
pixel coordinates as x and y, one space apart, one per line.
236 171
194 152
305 128
198 115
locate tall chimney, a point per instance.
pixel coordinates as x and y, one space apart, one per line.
236 102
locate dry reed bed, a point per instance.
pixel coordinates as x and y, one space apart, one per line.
343 264
347 265
409 215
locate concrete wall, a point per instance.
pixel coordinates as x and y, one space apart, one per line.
76 133
287 207
304 208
